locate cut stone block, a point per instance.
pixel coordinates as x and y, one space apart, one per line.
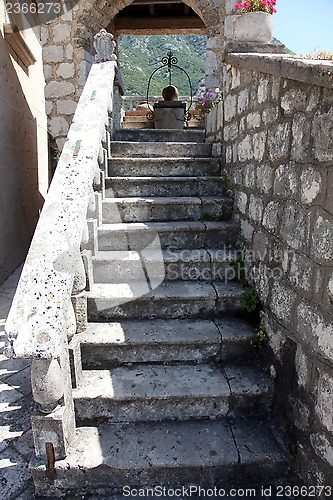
177 235
152 392
149 341
161 209
164 186
169 149
151 166
57 428
160 135
251 388
170 300
236 337
167 454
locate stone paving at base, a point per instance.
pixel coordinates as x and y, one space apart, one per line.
16 407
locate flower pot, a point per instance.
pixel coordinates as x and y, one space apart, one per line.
250 27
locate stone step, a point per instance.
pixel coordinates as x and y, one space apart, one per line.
172 299
159 135
144 392
192 265
166 209
164 186
104 345
173 454
160 149
131 120
139 123
164 167
182 234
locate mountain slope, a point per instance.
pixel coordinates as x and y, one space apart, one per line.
139 56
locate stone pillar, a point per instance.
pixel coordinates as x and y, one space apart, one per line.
54 427
79 307
263 43
213 61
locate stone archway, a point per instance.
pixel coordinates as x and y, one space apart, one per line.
68 53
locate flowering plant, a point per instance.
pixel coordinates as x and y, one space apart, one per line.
208 101
257 5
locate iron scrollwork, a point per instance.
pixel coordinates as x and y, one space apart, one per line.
170 61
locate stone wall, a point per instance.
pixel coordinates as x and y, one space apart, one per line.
276 131
23 145
67 62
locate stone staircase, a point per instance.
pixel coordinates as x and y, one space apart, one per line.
169 393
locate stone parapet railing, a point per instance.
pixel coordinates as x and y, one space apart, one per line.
49 306
311 71
39 317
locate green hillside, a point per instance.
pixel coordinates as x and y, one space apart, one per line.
140 55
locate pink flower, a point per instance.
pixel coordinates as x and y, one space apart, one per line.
257 6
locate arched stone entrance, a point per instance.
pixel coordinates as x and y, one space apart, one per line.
68 52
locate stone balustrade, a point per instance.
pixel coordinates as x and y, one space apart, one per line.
49 306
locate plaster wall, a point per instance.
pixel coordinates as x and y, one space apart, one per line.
23 148
274 130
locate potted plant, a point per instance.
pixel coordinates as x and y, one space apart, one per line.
254 23
203 106
207 102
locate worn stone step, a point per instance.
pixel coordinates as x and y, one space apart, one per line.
159 135
164 167
144 392
138 123
173 454
131 120
181 234
104 345
192 265
166 209
172 299
160 149
164 186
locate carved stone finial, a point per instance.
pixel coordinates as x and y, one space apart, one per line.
104 46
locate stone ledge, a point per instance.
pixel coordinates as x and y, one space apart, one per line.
313 72
249 47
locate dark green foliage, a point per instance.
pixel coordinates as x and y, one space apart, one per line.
140 55
250 299
225 181
206 217
262 336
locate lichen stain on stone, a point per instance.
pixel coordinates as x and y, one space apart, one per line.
311 185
